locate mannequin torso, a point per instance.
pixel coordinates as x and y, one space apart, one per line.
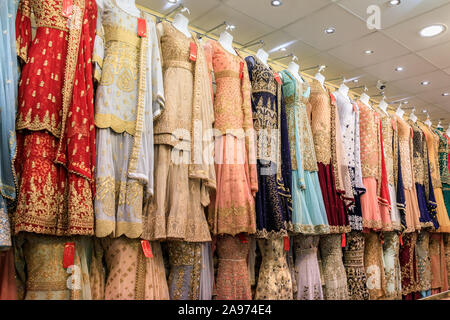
343 89
319 77
293 68
129 6
180 22
262 56
383 106
226 41
365 99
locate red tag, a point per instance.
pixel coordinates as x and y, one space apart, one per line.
333 99
69 254
243 238
67 8
193 54
142 28
343 241
286 243
241 72
277 77
412 133
146 248
401 241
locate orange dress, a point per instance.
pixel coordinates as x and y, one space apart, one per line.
233 204
405 138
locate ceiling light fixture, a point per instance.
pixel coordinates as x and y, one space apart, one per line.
432 31
355 81
276 3
172 1
446 94
330 30
398 69
368 51
283 49
425 83
394 3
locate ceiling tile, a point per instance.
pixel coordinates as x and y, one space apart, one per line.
407 32
436 55
197 8
392 15
384 48
435 96
311 29
412 64
438 79
277 17
247 28
335 68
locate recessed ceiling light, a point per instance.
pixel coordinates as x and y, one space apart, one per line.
276 3
368 51
446 94
425 83
398 69
355 81
330 30
394 2
432 30
405 102
172 1
283 49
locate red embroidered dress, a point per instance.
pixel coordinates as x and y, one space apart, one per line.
55 120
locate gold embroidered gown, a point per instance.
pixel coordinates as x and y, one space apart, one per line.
184 172
129 96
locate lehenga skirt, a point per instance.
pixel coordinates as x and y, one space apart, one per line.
408 264
412 211
354 266
308 214
232 209
177 209
334 205
425 218
131 275
376 215
439 274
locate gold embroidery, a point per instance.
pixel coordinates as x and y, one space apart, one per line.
104 121
48 13
119 34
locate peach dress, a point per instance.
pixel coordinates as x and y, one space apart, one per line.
233 204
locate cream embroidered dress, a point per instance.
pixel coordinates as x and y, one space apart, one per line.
129 96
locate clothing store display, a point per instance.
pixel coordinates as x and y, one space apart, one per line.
144 156
307 273
55 120
308 214
375 202
273 199
128 97
274 281
333 270
232 209
354 267
391 251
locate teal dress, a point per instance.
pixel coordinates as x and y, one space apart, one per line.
308 215
8 99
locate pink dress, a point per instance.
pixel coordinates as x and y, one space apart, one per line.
375 203
233 204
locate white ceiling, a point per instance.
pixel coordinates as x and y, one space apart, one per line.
302 22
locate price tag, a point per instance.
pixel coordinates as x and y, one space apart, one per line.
277 78
333 99
243 238
286 243
142 28
193 53
69 254
241 71
401 241
67 8
147 249
343 241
